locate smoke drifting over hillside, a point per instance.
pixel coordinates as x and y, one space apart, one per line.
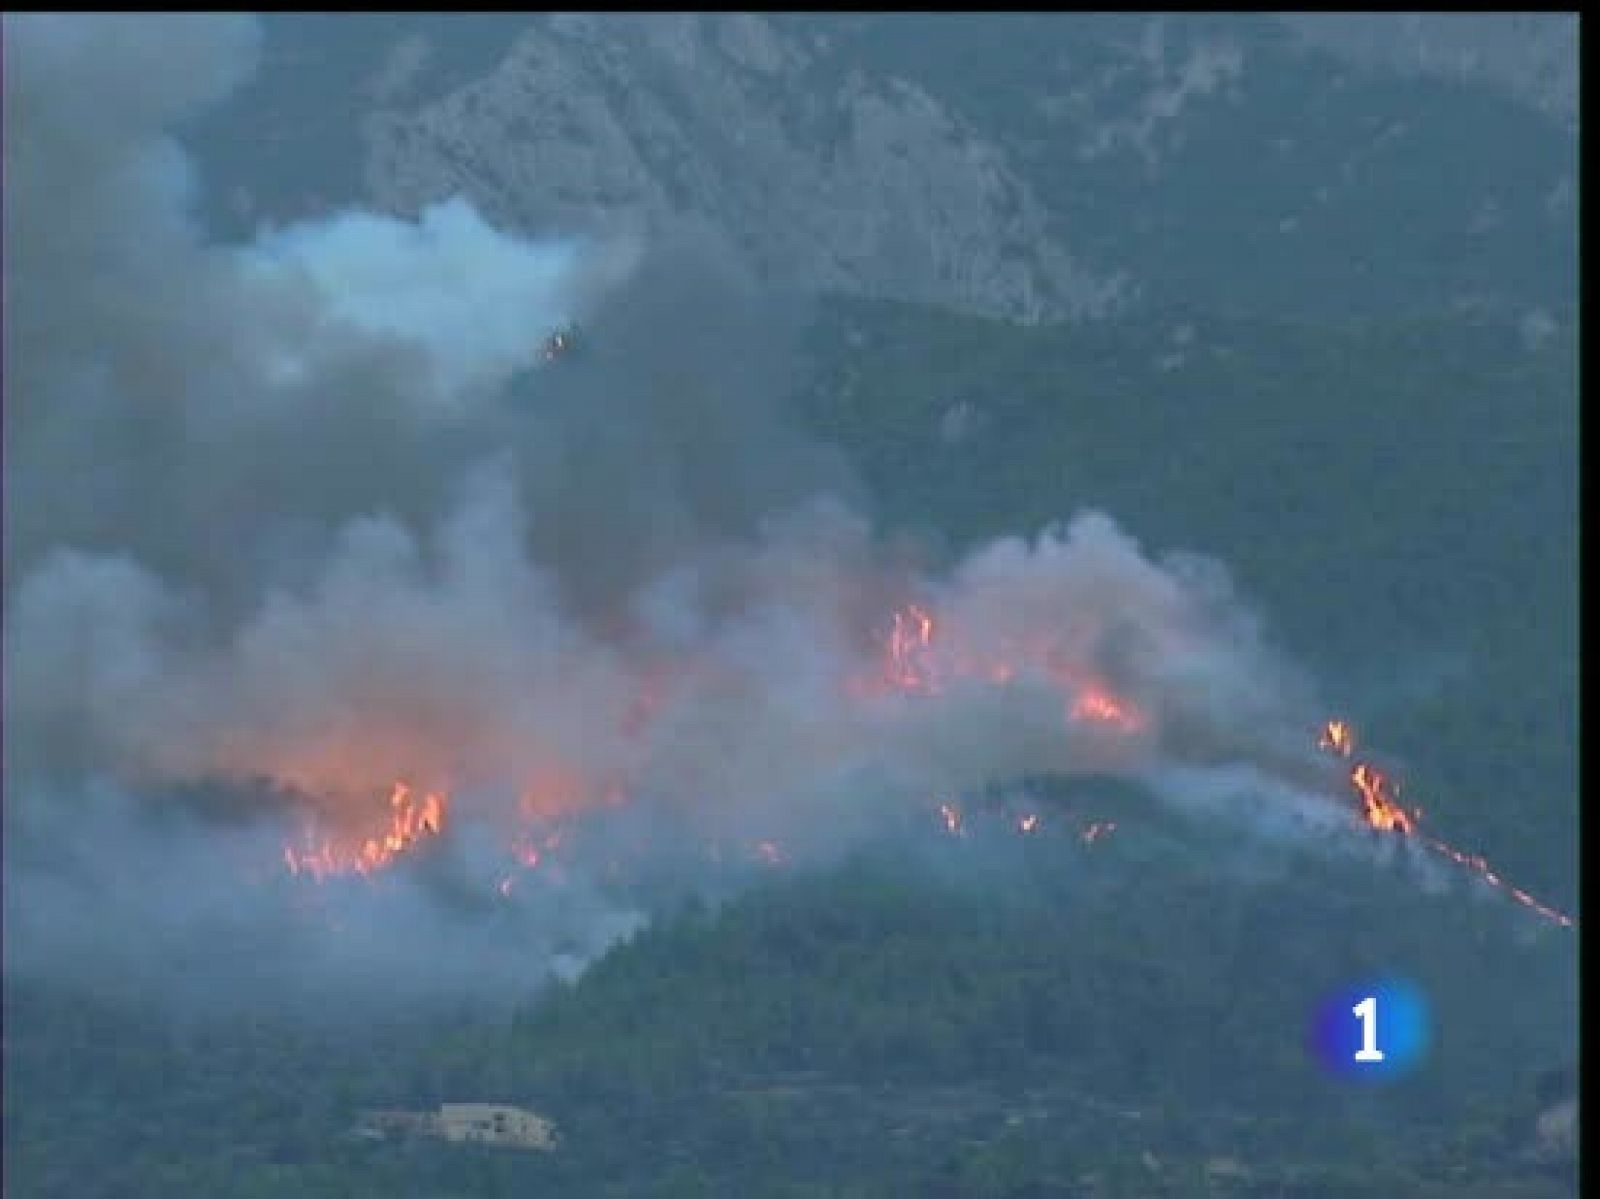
301 530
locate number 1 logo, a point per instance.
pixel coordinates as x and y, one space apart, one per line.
1367 1012
1345 1038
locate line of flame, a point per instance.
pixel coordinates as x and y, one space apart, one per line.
1380 808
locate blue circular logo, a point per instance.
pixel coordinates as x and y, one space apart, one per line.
1376 1029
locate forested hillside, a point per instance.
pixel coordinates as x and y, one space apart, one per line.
997 1014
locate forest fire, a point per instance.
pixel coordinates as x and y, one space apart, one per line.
410 821
1379 804
956 824
910 637
922 656
916 664
1380 809
1098 706
1336 737
1481 867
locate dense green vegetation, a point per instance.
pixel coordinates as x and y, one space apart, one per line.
1291 183
973 1019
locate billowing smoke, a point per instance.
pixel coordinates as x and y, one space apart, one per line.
447 284
301 529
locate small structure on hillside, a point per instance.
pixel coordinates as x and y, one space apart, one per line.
1556 1132
495 1124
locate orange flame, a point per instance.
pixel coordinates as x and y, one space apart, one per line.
1095 705
1380 808
409 823
1337 738
1481 867
910 636
915 663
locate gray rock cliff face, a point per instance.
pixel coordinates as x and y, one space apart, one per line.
812 175
1031 167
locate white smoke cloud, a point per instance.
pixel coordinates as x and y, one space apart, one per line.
478 303
448 661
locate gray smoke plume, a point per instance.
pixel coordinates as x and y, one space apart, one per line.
293 521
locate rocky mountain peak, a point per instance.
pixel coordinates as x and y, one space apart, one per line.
808 171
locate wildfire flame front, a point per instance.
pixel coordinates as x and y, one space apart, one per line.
1381 810
410 822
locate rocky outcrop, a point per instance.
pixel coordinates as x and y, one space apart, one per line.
811 173
1027 166
1530 57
